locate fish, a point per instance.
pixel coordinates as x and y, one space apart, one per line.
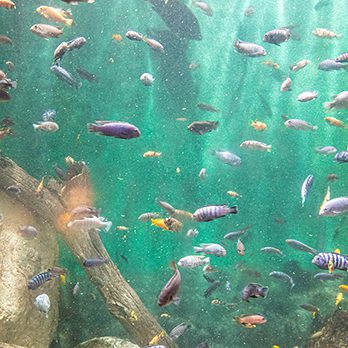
207 107
165 315
310 308
134 36
160 223
215 284
299 65
2 75
338 261
249 11
148 216
59 52
326 198
271 64
211 249
299 125
76 290
183 215
206 9
55 15
207 269
43 303
117 37
83 211
332 177
254 290
203 345
306 186
341 157
154 44
156 339
259 126
48 127
28 232
325 33
125 259
328 276
343 58
47 31
202 174
39 279
295 244
40 186
192 233
86 75
76 2
249 49
95 262
179 330
173 225
331 65
284 277
202 127
116 129
343 287
339 298
166 206
193 66
228 158
277 36
212 212
5 40
271 250
335 122
193 261
241 267
122 228
317 335
240 248
326 150
169 293
340 102
65 76
307 96
233 194
7 4
6 84
147 79
89 223
232 236
152 154
250 320
334 207
49 115
228 286
256 145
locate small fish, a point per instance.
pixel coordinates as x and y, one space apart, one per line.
228 286
134 36
216 302
46 31
343 58
147 79
293 243
300 65
76 290
183 215
307 96
28 232
332 65
341 157
192 233
169 293
211 249
122 228
212 212
228 158
337 261
332 177
343 287
286 85
83 211
117 37
233 194
181 119
335 122
62 278
193 261
165 315
40 186
65 76
328 276
86 75
325 33
49 115
207 10
193 66
306 186
43 303
160 223
326 150
250 320
310 308
55 15
299 125
271 250
207 107
215 284
155 45
254 290
179 330
152 154
317 335
340 101
89 223
5 40
207 269
232 236
249 49
156 339
283 276
249 11
148 216
202 127
125 259
334 207
39 279
116 129
240 248
339 298
259 126
256 145
95 262
271 64
203 345
202 174
277 36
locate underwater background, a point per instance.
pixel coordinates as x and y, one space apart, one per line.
126 184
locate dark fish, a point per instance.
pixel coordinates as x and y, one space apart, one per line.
59 52
338 261
59 172
277 36
76 43
122 130
4 96
29 232
65 76
202 127
207 107
68 46
216 284
179 330
332 177
134 36
203 345
13 190
342 58
125 259
5 40
7 122
341 157
6 83
232 236
212 212
179 18
95 262
39 279
328 276
169 293
84 74
254 290
293 243
310 308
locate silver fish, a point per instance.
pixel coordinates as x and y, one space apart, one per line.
65 76
334 207
179 330
95 262
193 261
232 236
326 150
43 303
28 232
295 244
228 158
148 216
299 125
166 206
133 35
191 233
212 212
306 186
332 65
249 49
339 102
271 250
277 36
155 45
76 289
240 248
282 276
202 174
204 7
328 276
211 249
90 223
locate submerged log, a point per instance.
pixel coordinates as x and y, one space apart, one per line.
21 323
106 342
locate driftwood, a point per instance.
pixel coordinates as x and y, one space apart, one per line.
121 299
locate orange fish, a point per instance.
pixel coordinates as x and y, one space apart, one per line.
7 4
55 15
160 223
152 154
259 126
339 298
156 339
334 122
41 185
343 287
117 37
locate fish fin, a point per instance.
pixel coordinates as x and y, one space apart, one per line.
277 44
328 105
233 209
269 149
36 126
314 128
176 300
107 226
197 249
172 265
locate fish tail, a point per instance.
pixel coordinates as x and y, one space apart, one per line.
36 126
69 22
269 148
206 260
314 128
291 66
92 127
328 105
107 226
292 285
233 210
197 249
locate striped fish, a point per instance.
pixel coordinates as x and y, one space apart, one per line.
306 186
341 157
39 279
342 58
339 261
277 36
212 212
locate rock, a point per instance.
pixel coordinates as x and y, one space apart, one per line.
106 342
332 334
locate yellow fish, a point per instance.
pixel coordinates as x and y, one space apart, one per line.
343 287
165 315
216 302
41 185
62 278
259 126
326 198
275 346
339 298
156 339
233 194
160 223
122 228
330 266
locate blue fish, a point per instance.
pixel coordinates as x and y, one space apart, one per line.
339 261
65 76
95 262
341 157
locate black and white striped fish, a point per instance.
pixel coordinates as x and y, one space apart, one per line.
277 36
39 279
212 212
342 58
341 157
339 261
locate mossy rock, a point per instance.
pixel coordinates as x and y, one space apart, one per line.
106 342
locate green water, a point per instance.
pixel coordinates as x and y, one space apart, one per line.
127 184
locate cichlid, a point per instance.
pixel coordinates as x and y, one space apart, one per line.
228 158
193 261
211 249
254 290
95 262
334 207
121 130
306 186
283 276
212 212
169 293
90 223
249 49
338 261
43 303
